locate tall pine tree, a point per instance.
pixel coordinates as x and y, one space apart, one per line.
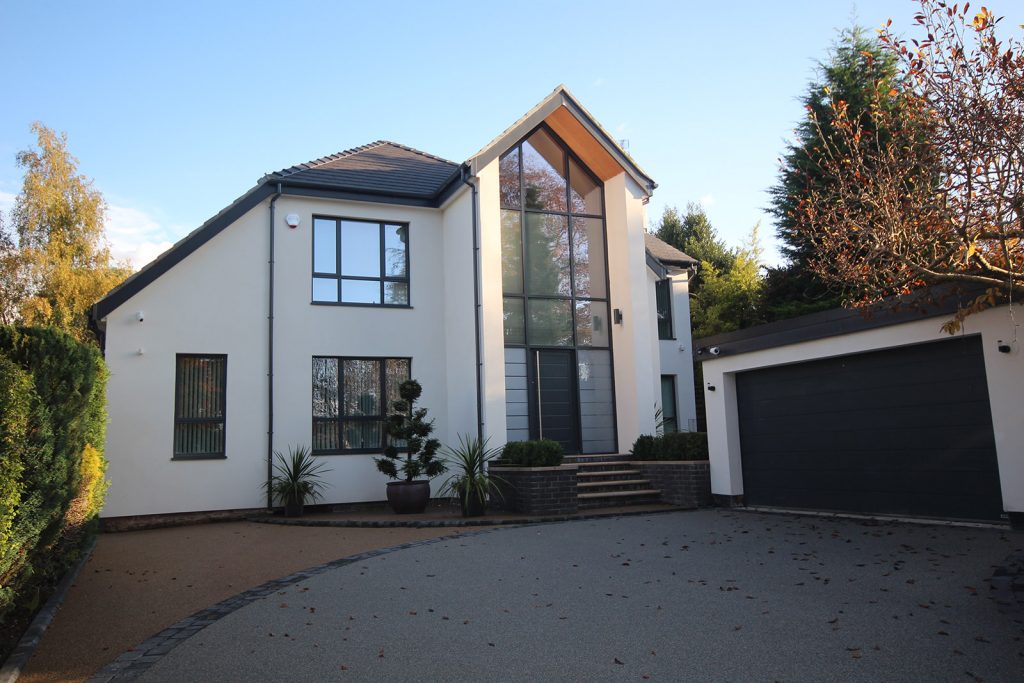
855 67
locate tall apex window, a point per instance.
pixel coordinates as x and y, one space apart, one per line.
552 247
360 262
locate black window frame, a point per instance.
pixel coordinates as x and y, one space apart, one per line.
665 419
666 329
340 418
338 276
223 420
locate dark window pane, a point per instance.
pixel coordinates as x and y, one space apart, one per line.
668 403
396 239
396 293
325 289
514 321
508 177
588 255
325 246
511 252
360 291
550 322
663 298
547 244
325 387
592 323
362 434
325 435
199 438
543 173
199 396
360 249
584 193
362 387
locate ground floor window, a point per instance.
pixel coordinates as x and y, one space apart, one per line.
669 423
351 398
200 388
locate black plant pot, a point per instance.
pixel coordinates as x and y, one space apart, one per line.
293 508
408 497
473 506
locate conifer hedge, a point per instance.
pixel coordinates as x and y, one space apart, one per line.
52 430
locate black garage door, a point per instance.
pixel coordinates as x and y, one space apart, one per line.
905 431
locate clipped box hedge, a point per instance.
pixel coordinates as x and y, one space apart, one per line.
52 431
671 446
537 453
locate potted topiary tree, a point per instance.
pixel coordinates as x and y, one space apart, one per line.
410 452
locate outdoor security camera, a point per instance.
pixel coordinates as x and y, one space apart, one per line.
715 351
141 316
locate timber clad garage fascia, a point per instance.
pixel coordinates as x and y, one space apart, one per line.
902 431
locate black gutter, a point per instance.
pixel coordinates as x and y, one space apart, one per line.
270 357
476 309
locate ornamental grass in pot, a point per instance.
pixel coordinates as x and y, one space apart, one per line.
296 480
471 483
411 452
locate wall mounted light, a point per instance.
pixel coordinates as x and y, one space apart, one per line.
711 387
617 316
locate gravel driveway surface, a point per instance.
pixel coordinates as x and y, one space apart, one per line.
710 595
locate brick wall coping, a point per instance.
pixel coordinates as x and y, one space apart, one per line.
670 462
516 468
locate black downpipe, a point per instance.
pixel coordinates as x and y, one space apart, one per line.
270 357
476 313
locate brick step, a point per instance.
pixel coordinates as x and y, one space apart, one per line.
604 475
614 485
589 501
604 466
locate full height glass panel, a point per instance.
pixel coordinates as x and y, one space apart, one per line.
554 272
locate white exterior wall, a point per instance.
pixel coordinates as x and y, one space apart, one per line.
1005 375
214 301
676 355
634 341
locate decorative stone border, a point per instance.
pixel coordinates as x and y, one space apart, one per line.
26 647
538 490
686 483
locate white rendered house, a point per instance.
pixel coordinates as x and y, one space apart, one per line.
516 287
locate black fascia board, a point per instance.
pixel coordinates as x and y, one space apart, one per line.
836 322
197 238
329 192
657 266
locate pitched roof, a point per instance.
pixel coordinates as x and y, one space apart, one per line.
381 167
666 253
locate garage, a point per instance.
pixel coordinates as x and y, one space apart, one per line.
898 431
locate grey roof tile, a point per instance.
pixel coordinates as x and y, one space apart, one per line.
665 252
381 167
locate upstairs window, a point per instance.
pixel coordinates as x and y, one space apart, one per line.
360 262
663 296
200 385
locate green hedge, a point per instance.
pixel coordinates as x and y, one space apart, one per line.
672 446
538 453
52 431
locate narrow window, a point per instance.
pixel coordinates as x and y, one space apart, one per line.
669 423
351 399
200 386
360 262
663 294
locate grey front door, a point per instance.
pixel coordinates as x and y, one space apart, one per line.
554 397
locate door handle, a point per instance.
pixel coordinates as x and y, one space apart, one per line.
540 413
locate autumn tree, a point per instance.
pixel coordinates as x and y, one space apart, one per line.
61 264
856 65
944 205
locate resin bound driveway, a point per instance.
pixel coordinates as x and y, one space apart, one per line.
709 595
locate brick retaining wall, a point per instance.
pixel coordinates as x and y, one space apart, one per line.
686 483
537 490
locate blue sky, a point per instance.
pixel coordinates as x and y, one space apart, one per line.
175 109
